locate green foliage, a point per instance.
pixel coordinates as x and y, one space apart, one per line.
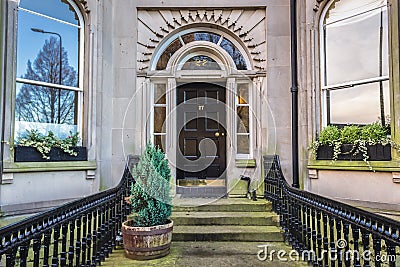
329 135
150 195
44 143
374 133
350 134
359 137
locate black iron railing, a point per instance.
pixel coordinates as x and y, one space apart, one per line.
325 232
80 233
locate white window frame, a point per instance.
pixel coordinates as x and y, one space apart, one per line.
81 65
324 86
154 105
250 133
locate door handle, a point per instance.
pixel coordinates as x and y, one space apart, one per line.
217 134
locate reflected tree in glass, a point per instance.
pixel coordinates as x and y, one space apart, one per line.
39 103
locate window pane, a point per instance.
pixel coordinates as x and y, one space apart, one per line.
343 9
243 119
201 63
159 94
201 36
243 94
243 144
167 54
38 54
353 50
159 119
39 107
159 140
237 57
54 8
359 105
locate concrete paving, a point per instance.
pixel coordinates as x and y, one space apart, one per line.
210 254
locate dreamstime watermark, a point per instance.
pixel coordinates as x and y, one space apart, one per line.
333 254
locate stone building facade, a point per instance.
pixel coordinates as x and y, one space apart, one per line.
209 82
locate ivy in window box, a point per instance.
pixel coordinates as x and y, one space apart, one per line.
38 147
368 143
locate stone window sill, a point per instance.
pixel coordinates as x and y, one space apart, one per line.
388 166
245 163
15 167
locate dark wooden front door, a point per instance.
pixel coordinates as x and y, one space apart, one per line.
201 155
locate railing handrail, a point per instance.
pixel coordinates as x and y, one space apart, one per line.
342 205
36 225
315 224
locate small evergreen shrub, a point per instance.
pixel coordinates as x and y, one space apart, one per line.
150 195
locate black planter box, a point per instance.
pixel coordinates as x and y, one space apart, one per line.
375 153
30 154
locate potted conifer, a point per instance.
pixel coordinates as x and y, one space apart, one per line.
148 234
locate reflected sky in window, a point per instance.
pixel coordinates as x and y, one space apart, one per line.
29 43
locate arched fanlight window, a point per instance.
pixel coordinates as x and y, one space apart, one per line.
225 44
354 57
49 71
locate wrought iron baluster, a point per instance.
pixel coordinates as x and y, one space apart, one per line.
356 237
314 235
332 241
391 252
338 241
319 238
83 244
377 246
36 250
63 254
78 242
95 258
113 228
46 248
89 239
71 248
56 236
103 234
325 239
347 255
23 253
366 252
107 226
304 227
10 257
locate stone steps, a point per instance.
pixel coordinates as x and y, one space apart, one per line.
225 218
227 233
232 220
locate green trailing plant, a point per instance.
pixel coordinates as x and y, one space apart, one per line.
44 143
360 137
150 195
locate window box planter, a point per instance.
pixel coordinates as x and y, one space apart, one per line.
30 154
375 152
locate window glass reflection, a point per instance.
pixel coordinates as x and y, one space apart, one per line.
354 49
167 54
54 8
232 50
201 36
159 93
159 119
360 104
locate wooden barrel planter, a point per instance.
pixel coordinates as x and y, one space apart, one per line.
145 243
